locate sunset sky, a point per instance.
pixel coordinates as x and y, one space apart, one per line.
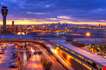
45 11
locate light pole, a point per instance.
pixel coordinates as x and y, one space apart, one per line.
88 34
4 11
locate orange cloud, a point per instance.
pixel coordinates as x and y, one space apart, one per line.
44 21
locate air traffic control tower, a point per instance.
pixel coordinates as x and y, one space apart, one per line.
4 12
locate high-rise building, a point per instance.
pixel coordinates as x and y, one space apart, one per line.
12 23
13 27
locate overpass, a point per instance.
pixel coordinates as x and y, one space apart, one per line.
84 58
90 40
26 38
23 38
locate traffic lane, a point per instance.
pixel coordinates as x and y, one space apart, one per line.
3 65
34 63
2 57
55 64
61 60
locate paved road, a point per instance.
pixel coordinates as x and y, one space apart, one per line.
34 63
49 58
4 65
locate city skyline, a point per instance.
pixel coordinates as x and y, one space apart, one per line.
41 21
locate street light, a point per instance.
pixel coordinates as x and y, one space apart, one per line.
21 33
88 34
